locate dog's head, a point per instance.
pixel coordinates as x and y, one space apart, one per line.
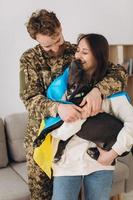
78 82
77 75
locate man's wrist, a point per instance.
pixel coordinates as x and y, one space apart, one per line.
58 105
98 91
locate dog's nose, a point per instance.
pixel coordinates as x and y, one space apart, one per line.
76 64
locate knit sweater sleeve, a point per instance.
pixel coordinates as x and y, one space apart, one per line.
124 111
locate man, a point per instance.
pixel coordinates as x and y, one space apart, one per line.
39 66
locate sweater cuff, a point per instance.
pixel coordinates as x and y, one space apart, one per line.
118 148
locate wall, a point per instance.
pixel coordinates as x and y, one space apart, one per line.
111 18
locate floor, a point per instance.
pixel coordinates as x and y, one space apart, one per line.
128 196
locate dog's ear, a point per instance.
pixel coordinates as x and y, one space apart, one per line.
75 73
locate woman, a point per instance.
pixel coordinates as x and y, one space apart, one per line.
76 166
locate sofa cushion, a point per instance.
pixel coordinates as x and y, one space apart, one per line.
128 160
121 172
3 149
12 187
20 168
15 125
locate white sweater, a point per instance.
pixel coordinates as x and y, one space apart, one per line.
75 160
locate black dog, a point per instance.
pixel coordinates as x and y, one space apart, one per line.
101 129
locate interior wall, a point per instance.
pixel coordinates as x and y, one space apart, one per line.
112 18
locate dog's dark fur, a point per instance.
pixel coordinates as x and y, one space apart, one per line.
101 129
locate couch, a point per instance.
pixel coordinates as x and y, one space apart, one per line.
13 175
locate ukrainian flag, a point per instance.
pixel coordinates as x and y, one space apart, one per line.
43 155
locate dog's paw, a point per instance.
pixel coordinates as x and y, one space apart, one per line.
93 152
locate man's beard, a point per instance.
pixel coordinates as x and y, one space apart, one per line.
58 53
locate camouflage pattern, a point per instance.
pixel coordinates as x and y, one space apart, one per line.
115 81
37 70
39 184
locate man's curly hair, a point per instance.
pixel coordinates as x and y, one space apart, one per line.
43 22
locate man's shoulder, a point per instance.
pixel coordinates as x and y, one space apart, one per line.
70 47
116 66
31 52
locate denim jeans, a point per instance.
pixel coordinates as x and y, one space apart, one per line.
97 186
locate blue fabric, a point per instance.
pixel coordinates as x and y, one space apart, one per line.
51 121
97 186
57 89
123 93
55 92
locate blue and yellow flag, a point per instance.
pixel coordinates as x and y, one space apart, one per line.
43 155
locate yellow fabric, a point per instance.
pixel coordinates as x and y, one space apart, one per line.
43 155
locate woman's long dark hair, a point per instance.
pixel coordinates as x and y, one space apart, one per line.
100 50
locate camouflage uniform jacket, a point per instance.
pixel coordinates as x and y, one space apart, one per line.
37 70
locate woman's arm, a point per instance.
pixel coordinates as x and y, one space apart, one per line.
124 111
115 81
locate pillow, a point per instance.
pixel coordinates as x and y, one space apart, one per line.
15 129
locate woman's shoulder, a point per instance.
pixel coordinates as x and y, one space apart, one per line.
117 103
121 105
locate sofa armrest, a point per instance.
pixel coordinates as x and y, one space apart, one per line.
128 160
3 147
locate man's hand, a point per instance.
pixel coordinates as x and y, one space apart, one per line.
106 157
91 103
69 112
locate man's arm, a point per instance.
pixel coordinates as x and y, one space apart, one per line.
32 90
32 94
115 81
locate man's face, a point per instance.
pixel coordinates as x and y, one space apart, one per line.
53 45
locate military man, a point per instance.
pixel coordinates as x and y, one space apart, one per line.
38 67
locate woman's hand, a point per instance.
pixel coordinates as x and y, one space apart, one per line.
69 112
91 103
106 157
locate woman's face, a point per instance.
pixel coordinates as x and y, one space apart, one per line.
84 54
